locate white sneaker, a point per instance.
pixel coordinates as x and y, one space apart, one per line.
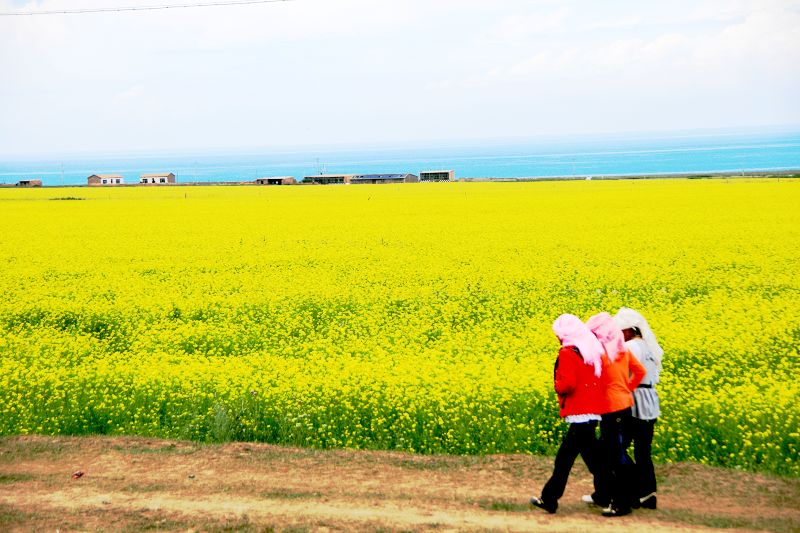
587 498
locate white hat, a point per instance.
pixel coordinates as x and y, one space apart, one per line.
627 318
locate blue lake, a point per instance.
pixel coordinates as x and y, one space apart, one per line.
609 155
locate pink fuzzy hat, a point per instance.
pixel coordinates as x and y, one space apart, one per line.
608 333
572 332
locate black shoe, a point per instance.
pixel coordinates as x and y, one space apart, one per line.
541 504
613 510
649 501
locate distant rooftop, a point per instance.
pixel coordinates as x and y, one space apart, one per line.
379 176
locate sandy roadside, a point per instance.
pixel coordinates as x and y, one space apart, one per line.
136 484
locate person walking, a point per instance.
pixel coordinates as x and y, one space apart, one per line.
622 373
576 379
642 343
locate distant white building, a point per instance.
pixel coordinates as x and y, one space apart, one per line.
157 179
105 179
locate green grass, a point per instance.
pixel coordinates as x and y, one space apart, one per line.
752 522
284 494
14 478
503 505
15 450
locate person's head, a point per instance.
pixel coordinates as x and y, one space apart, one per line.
570 331
567 327
634 325
631 333
607 332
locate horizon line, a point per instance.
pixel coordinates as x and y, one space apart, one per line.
367 145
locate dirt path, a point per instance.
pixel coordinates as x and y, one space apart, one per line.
134 484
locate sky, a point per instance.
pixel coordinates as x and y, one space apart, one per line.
363 72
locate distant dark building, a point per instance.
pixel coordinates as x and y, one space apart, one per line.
437 175
328 179
384 178
276 180
29 183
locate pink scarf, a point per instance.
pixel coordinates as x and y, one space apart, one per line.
607 332
572 332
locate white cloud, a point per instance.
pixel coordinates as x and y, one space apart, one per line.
132 93
767 42
311 71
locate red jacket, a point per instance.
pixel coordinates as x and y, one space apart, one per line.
619 379
579 390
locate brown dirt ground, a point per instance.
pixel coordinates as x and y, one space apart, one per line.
134 484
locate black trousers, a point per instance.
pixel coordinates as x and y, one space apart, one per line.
640 432
579 440
613 430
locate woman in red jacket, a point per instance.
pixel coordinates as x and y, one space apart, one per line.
578 385
622 373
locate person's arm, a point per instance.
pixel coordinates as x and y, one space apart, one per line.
637 371
565 376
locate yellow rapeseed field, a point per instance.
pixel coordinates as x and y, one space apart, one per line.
413 317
